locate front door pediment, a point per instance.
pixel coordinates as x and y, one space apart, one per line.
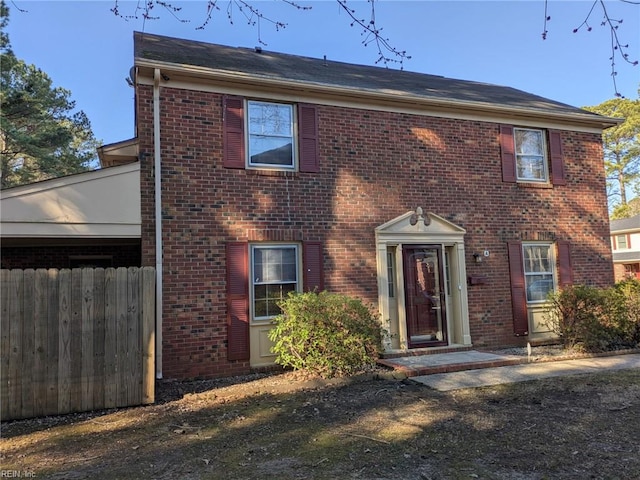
416 223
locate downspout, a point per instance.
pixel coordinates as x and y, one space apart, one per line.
158 216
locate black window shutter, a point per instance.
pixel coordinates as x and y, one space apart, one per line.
308 138
313 266
565 269
557 158
508 152
237 301
518 292
233 132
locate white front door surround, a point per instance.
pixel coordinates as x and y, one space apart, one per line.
411 229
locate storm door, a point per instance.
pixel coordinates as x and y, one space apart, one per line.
424 296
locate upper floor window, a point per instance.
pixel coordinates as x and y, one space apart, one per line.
270 135
621 242
531 156
538 270
531 161
271 138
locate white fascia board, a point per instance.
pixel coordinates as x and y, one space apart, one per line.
365 98
59 230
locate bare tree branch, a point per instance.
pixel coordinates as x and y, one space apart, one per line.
373 34
618 50
254 17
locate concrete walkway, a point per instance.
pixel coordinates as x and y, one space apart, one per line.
451 371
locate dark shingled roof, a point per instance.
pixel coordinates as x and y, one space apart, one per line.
621 224
626 256
279 66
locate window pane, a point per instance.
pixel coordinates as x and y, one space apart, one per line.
274 276
531 167
537 258
260 292
270 119
271 150
538 287
529 142
260 308
270 134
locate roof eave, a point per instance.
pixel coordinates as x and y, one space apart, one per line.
242 78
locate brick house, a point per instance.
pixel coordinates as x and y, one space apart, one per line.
451 206
625 241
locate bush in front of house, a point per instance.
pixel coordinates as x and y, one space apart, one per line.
629 291
597 319
325 333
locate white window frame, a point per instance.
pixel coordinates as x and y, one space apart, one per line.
530 274
544 156
253 283
626 244
293 130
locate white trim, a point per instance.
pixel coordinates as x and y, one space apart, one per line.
293 129
544 155
264 245
74 179
400 233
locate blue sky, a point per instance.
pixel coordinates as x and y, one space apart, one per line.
85 48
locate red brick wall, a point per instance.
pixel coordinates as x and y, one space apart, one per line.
374 167
58 256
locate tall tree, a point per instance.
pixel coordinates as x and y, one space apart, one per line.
41 136
621 146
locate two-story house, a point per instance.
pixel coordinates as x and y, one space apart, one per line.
452 207
625 242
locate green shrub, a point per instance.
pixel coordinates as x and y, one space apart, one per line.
596 319
630 292
326 334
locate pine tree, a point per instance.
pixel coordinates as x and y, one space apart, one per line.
41 136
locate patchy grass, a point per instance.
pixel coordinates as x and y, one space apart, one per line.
284 427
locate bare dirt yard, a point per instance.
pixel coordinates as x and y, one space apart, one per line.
285 426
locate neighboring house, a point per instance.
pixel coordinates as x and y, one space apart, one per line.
625 241
90 219
452 207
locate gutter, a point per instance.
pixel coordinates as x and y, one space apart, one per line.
157 174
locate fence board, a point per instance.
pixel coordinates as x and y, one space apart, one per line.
64 341
40 343
75 398
5 329
86 377
28 331
52 341
98 336
15 343
133 336
121 336
110 343
76 340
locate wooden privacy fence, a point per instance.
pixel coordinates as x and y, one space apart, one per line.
76 340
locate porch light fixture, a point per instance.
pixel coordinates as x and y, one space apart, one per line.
477 257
